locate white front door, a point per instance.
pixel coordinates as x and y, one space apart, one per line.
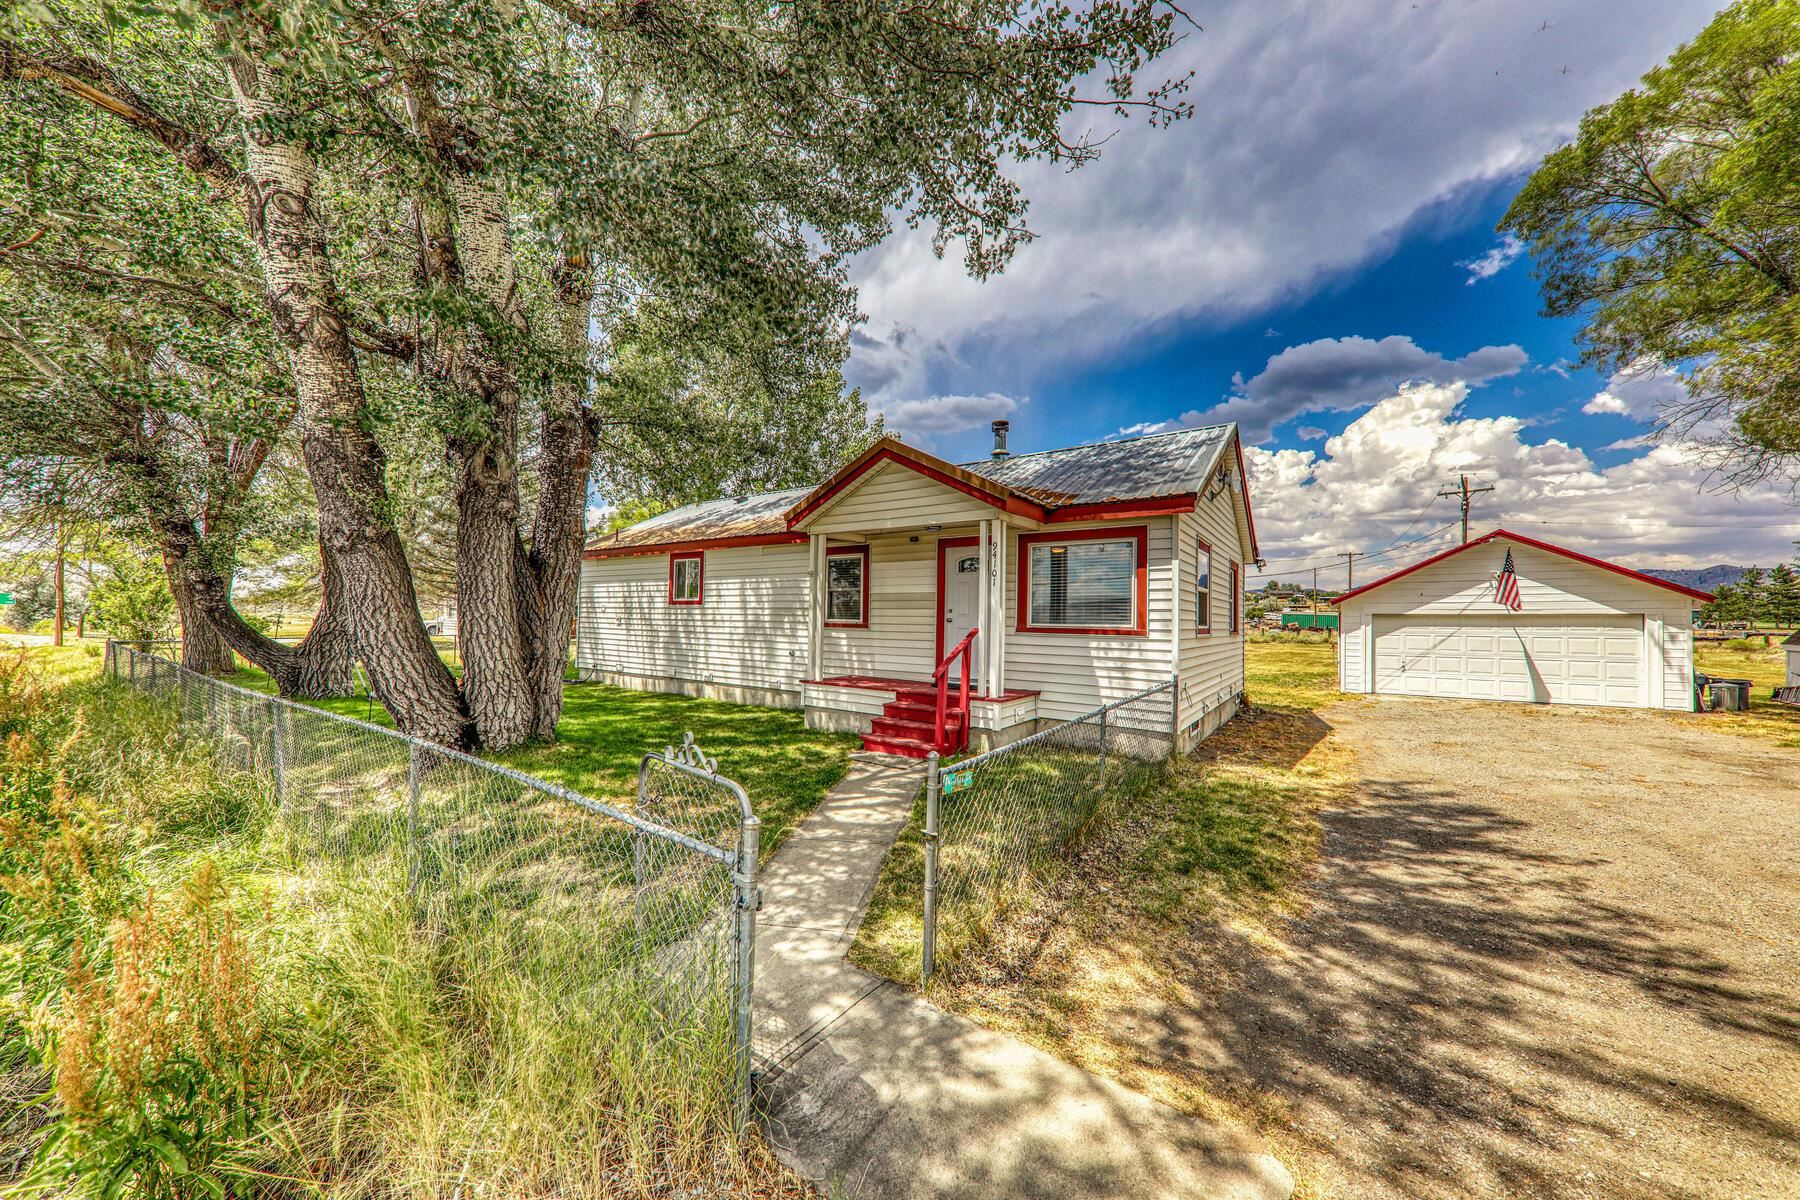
961 592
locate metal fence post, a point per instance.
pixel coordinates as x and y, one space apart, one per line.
1174 717
277 757
412 816
749 899
1103 751
931 868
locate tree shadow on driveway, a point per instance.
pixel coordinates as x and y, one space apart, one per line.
1499 996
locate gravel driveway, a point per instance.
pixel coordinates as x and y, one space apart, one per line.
1552 953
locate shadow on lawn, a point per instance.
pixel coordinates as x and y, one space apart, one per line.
1425 1010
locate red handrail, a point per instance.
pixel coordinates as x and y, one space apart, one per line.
941 677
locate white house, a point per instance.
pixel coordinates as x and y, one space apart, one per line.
1076 577
1587 631
1792 646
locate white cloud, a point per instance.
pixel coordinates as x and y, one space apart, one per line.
1311 433
1323 131
1642 393
947 414
1375 483
1497 259
1342 374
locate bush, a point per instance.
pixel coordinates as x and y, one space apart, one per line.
133 603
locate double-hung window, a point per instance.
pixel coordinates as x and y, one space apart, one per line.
1087 581
1237 597
847 587
685 577
1202 587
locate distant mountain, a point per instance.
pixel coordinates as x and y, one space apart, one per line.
1704 579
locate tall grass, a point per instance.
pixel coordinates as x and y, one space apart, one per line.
208 994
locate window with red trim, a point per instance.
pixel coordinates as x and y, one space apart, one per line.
1237 597
847 587
687 572
1084 581
1202 586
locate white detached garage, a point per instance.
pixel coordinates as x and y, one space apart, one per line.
1586 631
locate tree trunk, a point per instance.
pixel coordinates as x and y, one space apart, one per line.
325 658
343 460
61 589
565 459
203 648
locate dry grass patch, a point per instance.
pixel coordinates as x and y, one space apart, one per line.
1766 669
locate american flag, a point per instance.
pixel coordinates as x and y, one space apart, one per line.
1506 589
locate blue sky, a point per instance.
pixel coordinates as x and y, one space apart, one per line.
1297 258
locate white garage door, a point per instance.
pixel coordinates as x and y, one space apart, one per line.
1551 659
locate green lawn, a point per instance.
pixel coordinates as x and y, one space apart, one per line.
1766 669
605 731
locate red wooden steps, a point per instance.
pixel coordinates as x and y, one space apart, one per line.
906 725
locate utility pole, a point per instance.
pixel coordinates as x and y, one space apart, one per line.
1315 590
1350 557
1463 490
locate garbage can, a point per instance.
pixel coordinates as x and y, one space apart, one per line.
1730 695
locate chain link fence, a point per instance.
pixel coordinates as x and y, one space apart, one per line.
995 820
628 933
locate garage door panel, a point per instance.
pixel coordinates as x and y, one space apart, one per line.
1570 659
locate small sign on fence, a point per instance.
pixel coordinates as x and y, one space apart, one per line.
956 780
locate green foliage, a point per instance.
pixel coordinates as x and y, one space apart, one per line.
33 600
1669 226
132 603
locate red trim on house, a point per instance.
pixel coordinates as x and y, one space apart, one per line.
943 547
1244 479
719 543
832 552
1203 621
1028 540
948 474
1576 555
685 556
1118 510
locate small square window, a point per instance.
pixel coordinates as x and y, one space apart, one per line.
847 587
686 572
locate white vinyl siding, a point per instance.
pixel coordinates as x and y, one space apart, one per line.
893 497
749 633
1212 663
1567 605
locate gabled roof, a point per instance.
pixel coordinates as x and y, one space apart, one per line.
1155 473
1792 639
1521 539
1158 464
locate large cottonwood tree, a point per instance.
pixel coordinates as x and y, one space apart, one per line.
521 175
1671 227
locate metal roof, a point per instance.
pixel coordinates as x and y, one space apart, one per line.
745 516
1139 468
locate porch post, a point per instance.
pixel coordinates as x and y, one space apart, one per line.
984 611
815 633
994 632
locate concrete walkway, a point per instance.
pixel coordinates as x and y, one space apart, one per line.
880 1095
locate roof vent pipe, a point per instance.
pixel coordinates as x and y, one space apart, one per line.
1000 428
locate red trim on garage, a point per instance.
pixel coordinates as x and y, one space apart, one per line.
1140 532
833 552
719 543
1615 568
